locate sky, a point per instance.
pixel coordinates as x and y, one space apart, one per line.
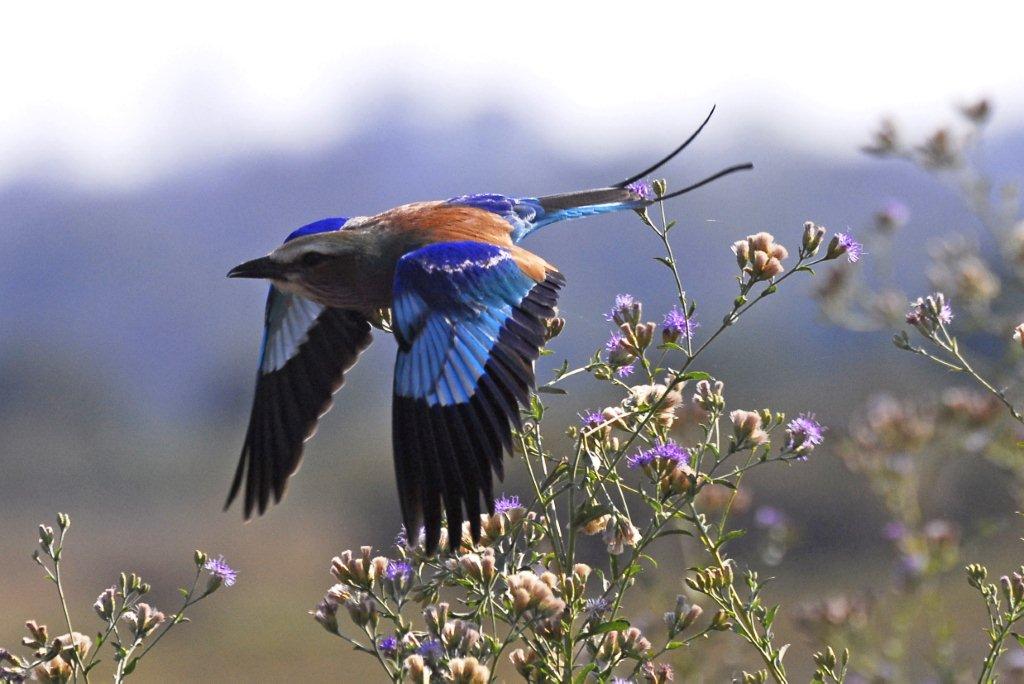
118 93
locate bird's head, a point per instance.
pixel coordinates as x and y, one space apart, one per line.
319 261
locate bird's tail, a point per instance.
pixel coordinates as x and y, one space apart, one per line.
632 193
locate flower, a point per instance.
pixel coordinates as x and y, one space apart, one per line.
144 619
803 433
641 188
760 256
891 216
844 243
1018 334
431 649
220 570
596 607
591 420
676 325
104 605
397 570
667 451
620 535
927 313
626 371
388 645
769 516
626 310
894 530
504 504
620 352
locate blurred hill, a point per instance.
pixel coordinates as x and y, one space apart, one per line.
127 359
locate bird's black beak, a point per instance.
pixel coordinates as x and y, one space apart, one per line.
257 268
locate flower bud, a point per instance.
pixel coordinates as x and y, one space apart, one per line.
813 235
747 428
741 248
326 614
523 661
362 610
720 622
416 668
104 605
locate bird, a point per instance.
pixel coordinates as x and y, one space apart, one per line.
468 308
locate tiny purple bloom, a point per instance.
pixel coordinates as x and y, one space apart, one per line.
613 343
219 568
397 570
596 606
641 188
507 503
894 530
895 212
591 420
623 302
388 645
769 516
626 370
803 433
667 451
851 248
431 649
677 324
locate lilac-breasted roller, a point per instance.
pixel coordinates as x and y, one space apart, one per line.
468 308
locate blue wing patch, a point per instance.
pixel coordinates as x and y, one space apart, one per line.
469 324
326 225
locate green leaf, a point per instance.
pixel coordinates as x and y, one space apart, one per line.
1019 638
696 375
581 676
771 289
728 537
670 532
605 627
130 667
544 389
673 645
806 269
664 260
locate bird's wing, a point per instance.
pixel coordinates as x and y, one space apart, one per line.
306 350
469 323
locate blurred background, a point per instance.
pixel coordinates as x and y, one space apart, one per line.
144 152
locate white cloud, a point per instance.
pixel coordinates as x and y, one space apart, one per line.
121 91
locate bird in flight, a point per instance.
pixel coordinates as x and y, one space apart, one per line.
468 307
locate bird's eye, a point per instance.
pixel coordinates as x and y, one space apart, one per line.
310 259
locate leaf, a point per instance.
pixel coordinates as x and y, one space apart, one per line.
696 375
782 653
1019 638
673 645
806 269
605 627
667 533
728 537
769 616
589 513
664 260
581 676
544 389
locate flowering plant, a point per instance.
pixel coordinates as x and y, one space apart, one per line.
545 590
130 626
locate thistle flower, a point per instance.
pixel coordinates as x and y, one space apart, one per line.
677 325
620 535
620 352
927 313
397 570
431 650
504 504
625 371
667 451
627 310
220 572
844 243
641 188
388 645
803 433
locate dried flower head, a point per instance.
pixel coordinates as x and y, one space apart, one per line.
747 428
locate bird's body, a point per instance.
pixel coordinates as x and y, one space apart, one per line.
469 308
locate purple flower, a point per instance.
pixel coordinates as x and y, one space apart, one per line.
894 214
677 325
666 451
220 569
641 188
626 310
388 645
591 420
926 313
431 649
596 606
626 371
894 530
397 570
803 433
507 503
850 247
769 516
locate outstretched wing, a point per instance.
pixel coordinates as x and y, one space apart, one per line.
469 324
306 350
